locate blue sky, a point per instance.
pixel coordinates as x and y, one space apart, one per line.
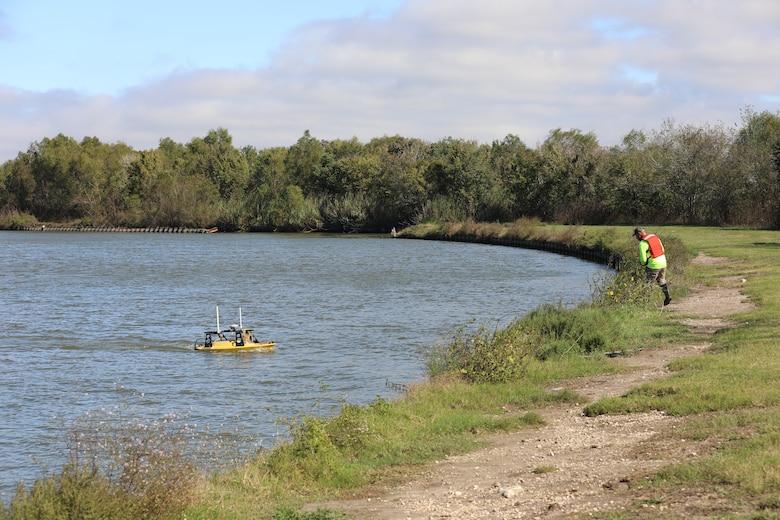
95 46
266 71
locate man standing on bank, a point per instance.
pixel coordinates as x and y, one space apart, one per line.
653 257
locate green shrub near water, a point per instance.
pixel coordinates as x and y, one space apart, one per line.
486 356
118 467
549 332
555 333
584 331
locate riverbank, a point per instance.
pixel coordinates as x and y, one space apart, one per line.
608 245
689 432
575 465
591 254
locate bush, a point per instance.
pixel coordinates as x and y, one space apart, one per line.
625 289
321 449
497 356
15 220
582 331
74 493
482 357
117 467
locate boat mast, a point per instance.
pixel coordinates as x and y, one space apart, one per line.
240 321
218 329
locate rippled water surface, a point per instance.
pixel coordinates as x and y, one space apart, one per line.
99 320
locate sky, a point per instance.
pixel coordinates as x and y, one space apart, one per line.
267 71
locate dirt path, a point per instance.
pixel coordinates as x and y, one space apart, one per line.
574 464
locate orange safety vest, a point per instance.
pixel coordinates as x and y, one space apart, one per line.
656 247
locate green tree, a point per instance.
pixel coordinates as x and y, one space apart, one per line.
18 185
291 211
215 159
303 163
691 163
144 187
629 188
52 163
399 190
267 182
458 172
102 178
516 167
565 188
344 168
162 195
755 158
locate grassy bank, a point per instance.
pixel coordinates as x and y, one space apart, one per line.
729 395
487 381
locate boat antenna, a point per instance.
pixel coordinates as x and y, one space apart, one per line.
218 329
240 321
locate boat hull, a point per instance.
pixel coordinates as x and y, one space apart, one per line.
230 346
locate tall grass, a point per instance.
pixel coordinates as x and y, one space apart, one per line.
548 333
120 467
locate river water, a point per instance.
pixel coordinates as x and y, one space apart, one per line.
96 321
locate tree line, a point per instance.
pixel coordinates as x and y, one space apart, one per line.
677 174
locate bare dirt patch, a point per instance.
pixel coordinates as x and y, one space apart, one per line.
572 465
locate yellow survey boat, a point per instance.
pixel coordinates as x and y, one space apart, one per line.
233 340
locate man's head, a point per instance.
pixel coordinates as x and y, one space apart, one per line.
639 233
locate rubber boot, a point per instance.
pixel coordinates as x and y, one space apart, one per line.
665 289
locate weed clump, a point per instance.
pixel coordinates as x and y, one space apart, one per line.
486 356
117 467
504 355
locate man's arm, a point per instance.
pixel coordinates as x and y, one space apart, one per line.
644 252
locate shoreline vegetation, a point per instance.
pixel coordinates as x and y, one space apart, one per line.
110 229
482 383
709 174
